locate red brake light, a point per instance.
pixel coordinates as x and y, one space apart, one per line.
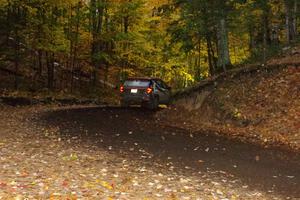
122 89
149 90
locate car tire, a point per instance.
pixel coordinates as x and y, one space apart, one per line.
169 102
124 104
154 103
145 105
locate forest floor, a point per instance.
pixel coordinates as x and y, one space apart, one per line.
261 107
100 152
52 151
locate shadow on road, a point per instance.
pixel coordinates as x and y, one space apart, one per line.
121 129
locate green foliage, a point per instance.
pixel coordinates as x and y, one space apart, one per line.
177 40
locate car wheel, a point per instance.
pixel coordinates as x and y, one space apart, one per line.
154 103
169 102
145 105
124 104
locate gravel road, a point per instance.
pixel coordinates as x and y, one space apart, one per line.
49 152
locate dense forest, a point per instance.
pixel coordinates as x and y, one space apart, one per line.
72 45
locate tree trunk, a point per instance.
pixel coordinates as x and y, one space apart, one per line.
97 11
95 77
223 48
16 49
251 39
265 33
70 63
50 70
74 45
198 63
40 62
287 22
17 59
8 23
210 56
295 10
290 20
126 24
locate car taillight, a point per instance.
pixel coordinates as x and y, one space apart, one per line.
122 89
149 90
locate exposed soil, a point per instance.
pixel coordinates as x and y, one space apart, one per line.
114 153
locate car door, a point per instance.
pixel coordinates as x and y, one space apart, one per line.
167 92
162 91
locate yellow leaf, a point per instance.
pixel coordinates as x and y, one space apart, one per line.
106 185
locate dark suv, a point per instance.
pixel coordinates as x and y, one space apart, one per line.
147 92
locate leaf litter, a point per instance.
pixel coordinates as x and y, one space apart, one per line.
36 164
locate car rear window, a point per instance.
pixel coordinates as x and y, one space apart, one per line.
137 83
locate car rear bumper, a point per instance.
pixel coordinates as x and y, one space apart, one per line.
139 99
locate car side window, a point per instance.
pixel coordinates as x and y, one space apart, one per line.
158 83
164 85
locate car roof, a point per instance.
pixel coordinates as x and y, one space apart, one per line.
142 78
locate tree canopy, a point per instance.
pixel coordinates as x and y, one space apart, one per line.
62 43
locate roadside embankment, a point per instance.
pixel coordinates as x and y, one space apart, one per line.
257 104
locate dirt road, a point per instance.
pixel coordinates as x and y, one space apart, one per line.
111 152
